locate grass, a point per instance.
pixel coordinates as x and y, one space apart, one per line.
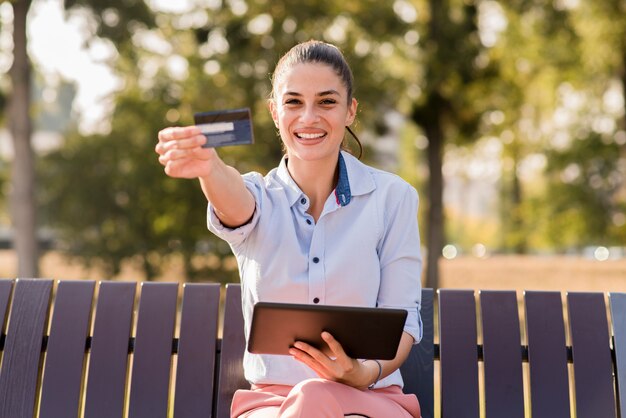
514 272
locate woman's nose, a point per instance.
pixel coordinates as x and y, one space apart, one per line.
309 114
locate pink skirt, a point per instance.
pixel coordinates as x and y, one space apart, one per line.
319 398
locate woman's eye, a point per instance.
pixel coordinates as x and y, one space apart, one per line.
292 101
328 101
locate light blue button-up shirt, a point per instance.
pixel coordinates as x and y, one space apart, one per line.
364 250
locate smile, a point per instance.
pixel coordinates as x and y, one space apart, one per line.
310 136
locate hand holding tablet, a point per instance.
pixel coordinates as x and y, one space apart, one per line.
364 333
225 127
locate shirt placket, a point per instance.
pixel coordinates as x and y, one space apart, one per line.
316 253
316 265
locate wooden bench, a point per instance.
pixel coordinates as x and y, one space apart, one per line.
115 349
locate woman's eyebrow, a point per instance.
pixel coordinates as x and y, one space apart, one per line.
328 93
322 93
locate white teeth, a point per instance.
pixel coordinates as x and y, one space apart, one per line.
310 136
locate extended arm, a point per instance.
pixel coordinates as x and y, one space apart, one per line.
181 153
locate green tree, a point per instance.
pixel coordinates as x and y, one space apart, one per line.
584 180
536 52
22 198
602 25
450 106
19 118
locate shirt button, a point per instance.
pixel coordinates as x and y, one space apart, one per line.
308 221
316 260
316 300
303 201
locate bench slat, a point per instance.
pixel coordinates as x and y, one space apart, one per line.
504 387
5 295
196 350
231 354
458 353
149 387
109 350
22 348
547 355
65 355
618 319
418 369
593 371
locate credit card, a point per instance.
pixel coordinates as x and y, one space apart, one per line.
225 127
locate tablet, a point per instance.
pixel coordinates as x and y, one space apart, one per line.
364 333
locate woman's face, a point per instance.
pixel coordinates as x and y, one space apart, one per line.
311 110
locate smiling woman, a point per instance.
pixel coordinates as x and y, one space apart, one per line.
321 228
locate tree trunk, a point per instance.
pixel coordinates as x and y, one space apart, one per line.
520 245
434 228
23 170
622 74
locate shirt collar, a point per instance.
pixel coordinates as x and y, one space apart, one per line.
359 176
354 179
292 189
343 194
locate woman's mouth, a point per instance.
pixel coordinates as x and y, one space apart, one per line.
318 135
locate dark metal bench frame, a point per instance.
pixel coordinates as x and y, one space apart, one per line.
77 348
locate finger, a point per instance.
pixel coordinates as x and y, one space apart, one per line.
177 154
173 133
306 359
177 169
189 143
324 364
321 360
186 143
191 153
312 352
168 158
336 348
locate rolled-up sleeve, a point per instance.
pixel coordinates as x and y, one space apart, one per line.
235 236
401 261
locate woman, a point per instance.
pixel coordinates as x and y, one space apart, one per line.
320 228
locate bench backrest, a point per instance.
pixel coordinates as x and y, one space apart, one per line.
81 349
87 364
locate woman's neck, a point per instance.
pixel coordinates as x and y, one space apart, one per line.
317 179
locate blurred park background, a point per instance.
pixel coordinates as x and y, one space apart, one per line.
507 116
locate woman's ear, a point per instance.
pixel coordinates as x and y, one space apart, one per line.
351 112
271 104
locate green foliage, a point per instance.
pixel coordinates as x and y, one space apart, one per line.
454 86
584 186
115 20
538 51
